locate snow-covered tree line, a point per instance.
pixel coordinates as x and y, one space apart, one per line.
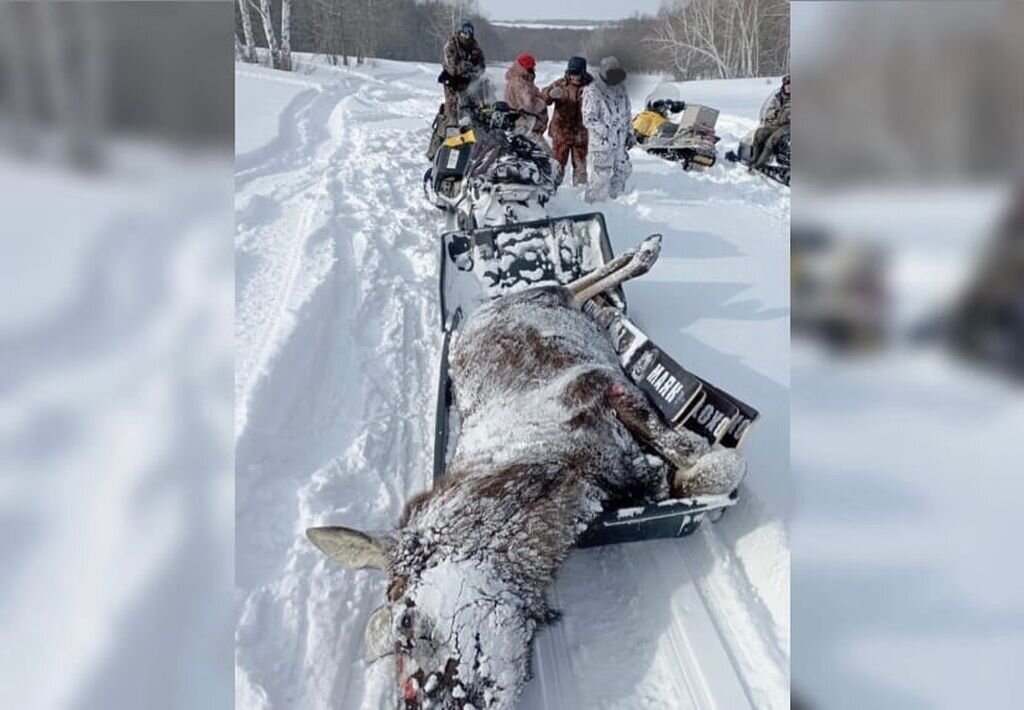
687 38
722 39
347 30
277 37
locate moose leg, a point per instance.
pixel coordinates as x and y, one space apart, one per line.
682 449
629 265
699 469
718 471
605 270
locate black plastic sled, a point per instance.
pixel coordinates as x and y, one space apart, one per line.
482 264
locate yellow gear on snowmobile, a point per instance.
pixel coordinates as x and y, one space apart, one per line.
464 138
647 123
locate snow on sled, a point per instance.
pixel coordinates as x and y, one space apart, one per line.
690 141
482 264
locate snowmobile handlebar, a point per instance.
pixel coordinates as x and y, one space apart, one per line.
458 83
667 106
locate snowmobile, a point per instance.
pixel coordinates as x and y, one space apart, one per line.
492 171
838 290
690 141
481 264
777 166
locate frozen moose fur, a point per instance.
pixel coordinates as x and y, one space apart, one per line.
550 433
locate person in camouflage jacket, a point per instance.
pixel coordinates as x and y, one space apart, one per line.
522 94
774 125
463 62
568 135
607 118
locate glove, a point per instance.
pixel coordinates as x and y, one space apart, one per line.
556 92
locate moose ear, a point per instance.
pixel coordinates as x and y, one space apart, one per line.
350 548
377 641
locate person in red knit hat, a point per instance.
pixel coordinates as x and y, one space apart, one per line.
521 93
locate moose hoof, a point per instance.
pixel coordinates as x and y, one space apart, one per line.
716 473
647 254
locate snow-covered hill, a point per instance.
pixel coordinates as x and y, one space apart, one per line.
337 356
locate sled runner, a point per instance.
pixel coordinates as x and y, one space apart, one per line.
482 264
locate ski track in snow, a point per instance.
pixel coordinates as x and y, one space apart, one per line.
337 352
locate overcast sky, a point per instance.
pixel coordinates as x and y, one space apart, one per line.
566 9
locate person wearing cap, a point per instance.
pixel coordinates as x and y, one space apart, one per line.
774 125
607 118
568 136
522 94
462 63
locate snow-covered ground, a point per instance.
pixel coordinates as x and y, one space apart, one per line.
336 366
907 567
115 482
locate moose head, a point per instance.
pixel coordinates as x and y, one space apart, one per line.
458 634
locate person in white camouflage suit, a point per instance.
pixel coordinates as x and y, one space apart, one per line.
607 116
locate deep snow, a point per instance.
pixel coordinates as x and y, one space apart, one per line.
336 366
909 575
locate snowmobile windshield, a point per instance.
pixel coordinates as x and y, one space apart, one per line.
668 93
767 103
480 92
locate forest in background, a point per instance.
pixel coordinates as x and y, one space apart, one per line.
698 39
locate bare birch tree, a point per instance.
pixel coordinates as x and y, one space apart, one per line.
443 17
249 53
724 38
74 56
265 12
286 35
15 78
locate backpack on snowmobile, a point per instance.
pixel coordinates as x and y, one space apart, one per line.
690 141
482 264
511 178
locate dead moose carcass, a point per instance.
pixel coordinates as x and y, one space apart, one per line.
551 432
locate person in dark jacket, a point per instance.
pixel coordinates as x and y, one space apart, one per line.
463 63
568 135
774 125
